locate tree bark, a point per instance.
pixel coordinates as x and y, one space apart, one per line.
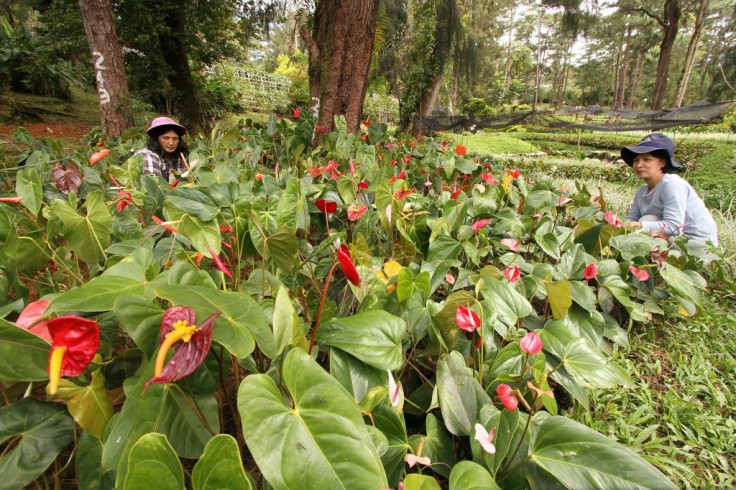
690 55
509 60
452 110
624 67
112 84
635 77
340 50
538 73
616 73
670 23
175 52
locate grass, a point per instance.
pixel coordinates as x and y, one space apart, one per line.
493 143
81 107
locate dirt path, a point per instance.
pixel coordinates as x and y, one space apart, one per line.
50 130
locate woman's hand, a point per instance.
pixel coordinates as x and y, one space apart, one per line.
635 225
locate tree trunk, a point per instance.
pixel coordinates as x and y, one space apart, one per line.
427 105
538 77
690 55
112 85
635 77
509 60
672 15
175 51
624 67
340 50
452 110
616 73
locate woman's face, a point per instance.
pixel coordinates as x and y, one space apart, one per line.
169 141
648 166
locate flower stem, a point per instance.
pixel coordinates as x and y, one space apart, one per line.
321 305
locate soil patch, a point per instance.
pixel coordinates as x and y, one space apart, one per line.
50 130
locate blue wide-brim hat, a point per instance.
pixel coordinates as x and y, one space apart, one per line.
650 143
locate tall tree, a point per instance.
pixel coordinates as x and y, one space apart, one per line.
340 50
687 67
112 84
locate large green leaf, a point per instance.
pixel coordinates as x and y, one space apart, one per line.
415 481
373 336
681 283
444 247
188 420
354 375
579 457
467 475
24 355
42 430
446 320
87 234
193 202
459 393
287 326
509 304
622 292
221 467
437 445
560 299
634 245
153 461
318 440
28 186
88 468
90 405
508 434
292 209
140 318
204 235
99 294
283 246
241 321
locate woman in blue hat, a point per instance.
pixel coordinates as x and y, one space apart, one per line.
165 149
666 203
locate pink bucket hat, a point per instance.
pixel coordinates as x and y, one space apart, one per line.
161 122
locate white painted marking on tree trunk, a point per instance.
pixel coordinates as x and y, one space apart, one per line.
99 68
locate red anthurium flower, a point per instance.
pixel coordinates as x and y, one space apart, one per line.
455 194
515 173
97 156
28 319
506 395
612 219
321 129
346 263
219 264
165 224
123 199
531 343
367 123
466 318
297 111
401 194
640 274
485 438
461 150
402 175
190 341
316 171
591 271
363 185
226 229
12 200
512 273
511 243
480 224
355 211
74 342
325 206
331 166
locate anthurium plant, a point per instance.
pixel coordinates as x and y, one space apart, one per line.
372 312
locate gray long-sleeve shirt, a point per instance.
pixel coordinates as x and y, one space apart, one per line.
678 207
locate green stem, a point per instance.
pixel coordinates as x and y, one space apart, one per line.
321 305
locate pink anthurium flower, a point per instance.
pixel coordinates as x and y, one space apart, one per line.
11 200
563 200
612 219
191 341
511 243
489 178
412 459
485 438
388 213
96 157
531 343
591 271
467 319
28 319
512 273
507 397
393 389
481 223
640 274
355 211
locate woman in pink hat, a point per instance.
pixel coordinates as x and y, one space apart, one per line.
165 150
